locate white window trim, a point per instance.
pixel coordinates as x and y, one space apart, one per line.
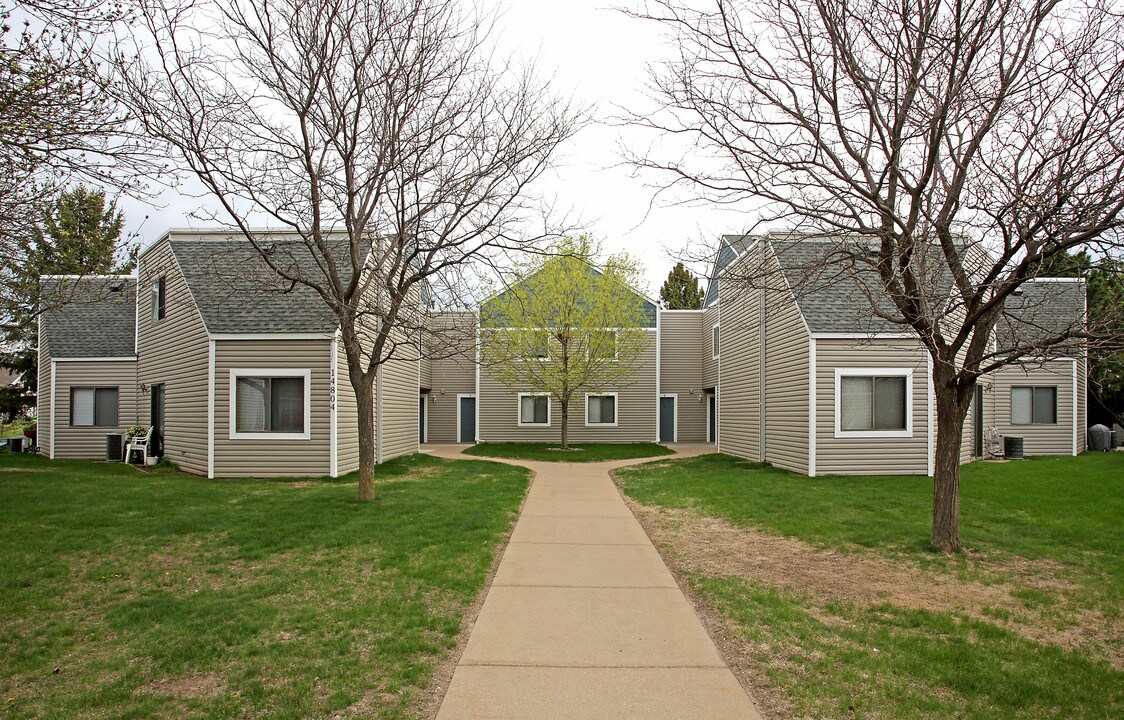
519 410
236 373
907 373
616 346
616 409
715 355
537 358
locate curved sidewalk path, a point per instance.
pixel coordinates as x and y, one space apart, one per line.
583 618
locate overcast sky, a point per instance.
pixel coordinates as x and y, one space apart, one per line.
598 56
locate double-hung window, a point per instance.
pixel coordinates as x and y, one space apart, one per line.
873 402
537 345
601 409
1032 405
269 404
714 341
93 407
534 409
603 344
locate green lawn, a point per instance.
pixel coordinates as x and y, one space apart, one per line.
584 452
131 595
1058 519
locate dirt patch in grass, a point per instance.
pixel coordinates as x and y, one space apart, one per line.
193 686
695 545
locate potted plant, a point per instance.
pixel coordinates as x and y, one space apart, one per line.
136 431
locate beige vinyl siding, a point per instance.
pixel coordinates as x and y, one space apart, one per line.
453 374
866 455
709 363
398 383
263 458
43 400
174 351
1055 439
347 417
636 410
786 383
89 442
739 401
681 349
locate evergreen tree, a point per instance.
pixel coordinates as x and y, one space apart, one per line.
681 290
80 235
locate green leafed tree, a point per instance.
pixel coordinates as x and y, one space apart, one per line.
1104 278
681 290
568 326
81 235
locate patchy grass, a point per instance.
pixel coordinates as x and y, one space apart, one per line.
826 590
127 594
584 452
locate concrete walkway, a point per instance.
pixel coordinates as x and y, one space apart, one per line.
584 620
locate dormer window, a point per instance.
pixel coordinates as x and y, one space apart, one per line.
158 298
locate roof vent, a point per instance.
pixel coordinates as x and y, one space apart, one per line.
872 250
268 248
1017 291
116 286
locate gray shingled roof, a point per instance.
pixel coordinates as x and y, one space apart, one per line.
89 317
831 298
1044 308
829 291
237 293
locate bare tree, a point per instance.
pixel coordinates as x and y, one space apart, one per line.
382 132
58 126
955 147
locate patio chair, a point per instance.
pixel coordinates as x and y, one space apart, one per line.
993 443
140 445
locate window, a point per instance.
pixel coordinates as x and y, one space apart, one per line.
873 402
269 404
1034 405
158 298
714 341
537 345
534 409
93 407
601 409
603 344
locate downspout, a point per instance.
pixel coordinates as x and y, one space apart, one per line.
659 351
333 405
762 349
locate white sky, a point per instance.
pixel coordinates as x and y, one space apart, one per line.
598 56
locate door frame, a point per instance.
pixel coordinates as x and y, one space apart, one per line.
423 424
674 416
712 418
475 413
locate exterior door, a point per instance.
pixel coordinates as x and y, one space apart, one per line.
156 418
667 419
711 419
466 424
421 417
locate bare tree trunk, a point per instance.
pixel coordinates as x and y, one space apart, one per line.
365 404
565 424
951 411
